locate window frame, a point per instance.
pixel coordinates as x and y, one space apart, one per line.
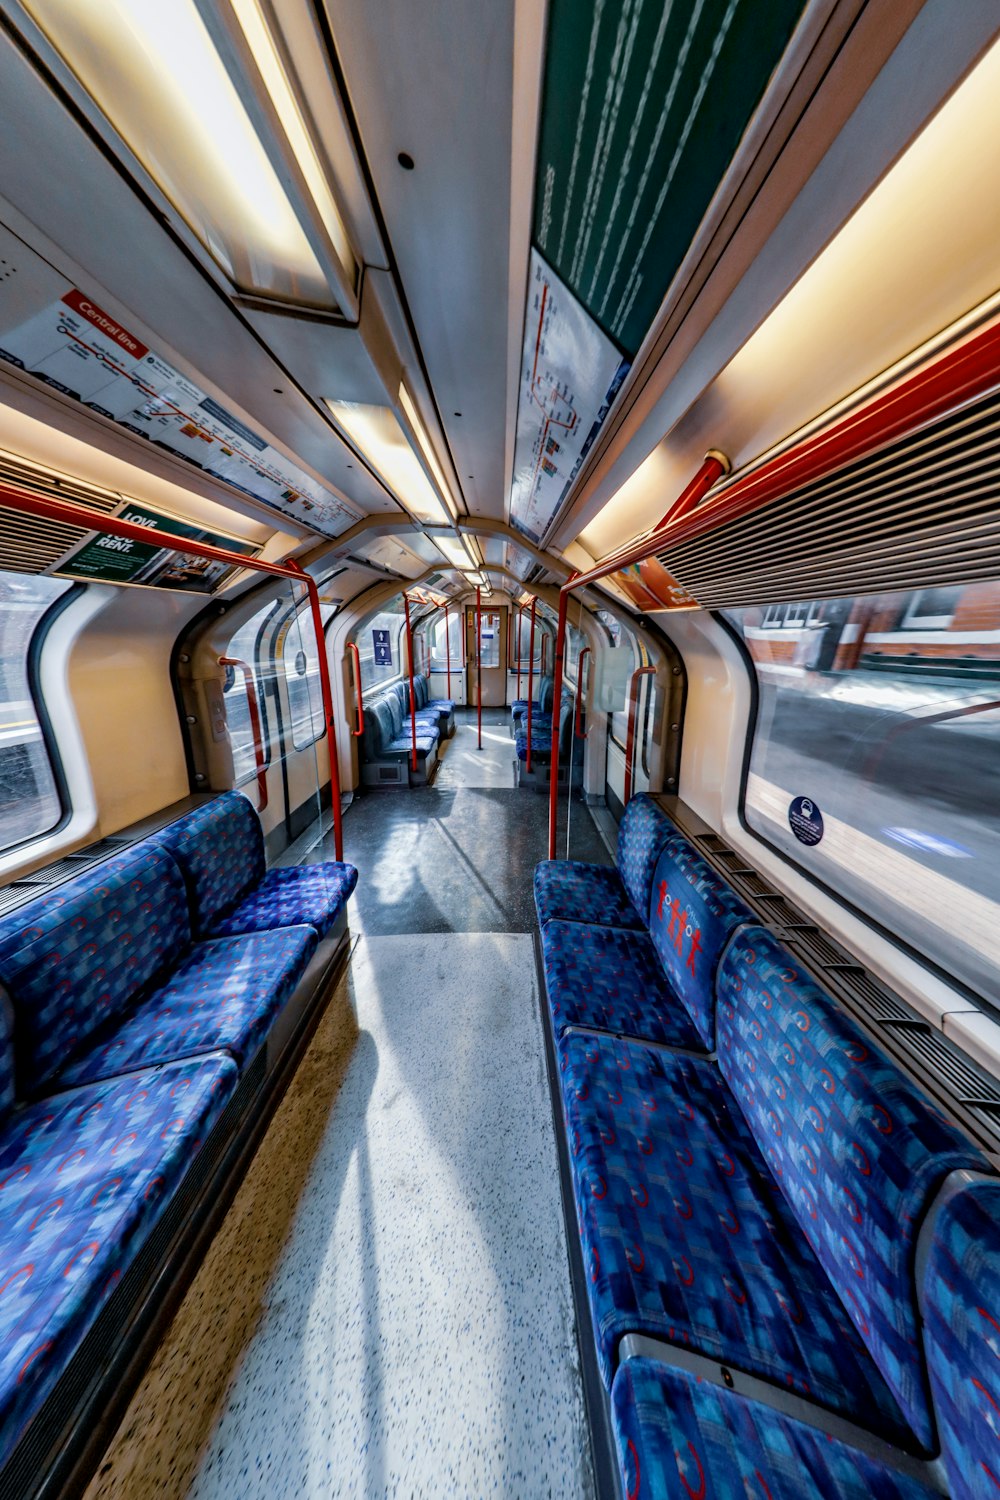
271 612
901 944
33 676
911 620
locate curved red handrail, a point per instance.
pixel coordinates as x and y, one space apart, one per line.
531 680
479 667
413 696
633 706
253 708
579 693
357 733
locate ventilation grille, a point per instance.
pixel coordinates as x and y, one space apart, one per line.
923 511
29 544
964 1090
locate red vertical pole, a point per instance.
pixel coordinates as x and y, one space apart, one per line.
557 677
413 699
531 680
447 647
326 689
479 665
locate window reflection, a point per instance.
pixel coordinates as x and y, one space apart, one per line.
883 712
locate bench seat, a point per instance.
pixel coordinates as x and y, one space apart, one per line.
571 891
611 979
224 994
687 1237
220 850
680 1436
84 1178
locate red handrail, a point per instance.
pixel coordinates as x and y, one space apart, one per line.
253 707
579 692
357 733
544 653
413 697
53 509
531 675
479 666
633 706
447 648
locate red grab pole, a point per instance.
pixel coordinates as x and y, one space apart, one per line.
633 708
357 733
531 678
52 509
413 699
479 666
447 647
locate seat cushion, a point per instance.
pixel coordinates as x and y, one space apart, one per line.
686 1235
73 959
611 979
403 744
692 913
680 1436
642 833
858 1149
84 1177
300 896
220 849
223 996
569 891
961 1305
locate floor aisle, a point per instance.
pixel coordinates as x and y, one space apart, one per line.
386 1310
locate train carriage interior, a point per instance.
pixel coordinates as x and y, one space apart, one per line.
500 749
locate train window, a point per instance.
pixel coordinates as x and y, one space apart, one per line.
245 647
30 804
874 762
380 647
522 634
302 680
440 646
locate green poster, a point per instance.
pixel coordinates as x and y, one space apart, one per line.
113 559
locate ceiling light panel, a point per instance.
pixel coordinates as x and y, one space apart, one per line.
156 72
376 432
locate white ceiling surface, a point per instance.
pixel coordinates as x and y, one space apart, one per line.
436 81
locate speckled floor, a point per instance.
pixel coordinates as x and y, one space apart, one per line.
386 1309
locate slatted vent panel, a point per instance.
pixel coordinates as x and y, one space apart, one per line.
923 511
30 545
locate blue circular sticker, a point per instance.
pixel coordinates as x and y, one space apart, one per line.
805 820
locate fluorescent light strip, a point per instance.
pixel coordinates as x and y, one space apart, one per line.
376 432
413 417
154 71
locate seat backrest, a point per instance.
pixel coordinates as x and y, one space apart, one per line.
642 833
692 912
544 699
420 690
395 708
220 850
72 959
960 1297
857 1149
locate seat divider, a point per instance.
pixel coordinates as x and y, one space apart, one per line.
779 1399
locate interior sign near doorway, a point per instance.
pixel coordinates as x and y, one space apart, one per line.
382 648
115 559
570 374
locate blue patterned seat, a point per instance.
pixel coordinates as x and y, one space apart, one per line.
84 1179
611 979
224 994
680 1436
687 1237
960 1297
858 1149
103 976
571 891
220 850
